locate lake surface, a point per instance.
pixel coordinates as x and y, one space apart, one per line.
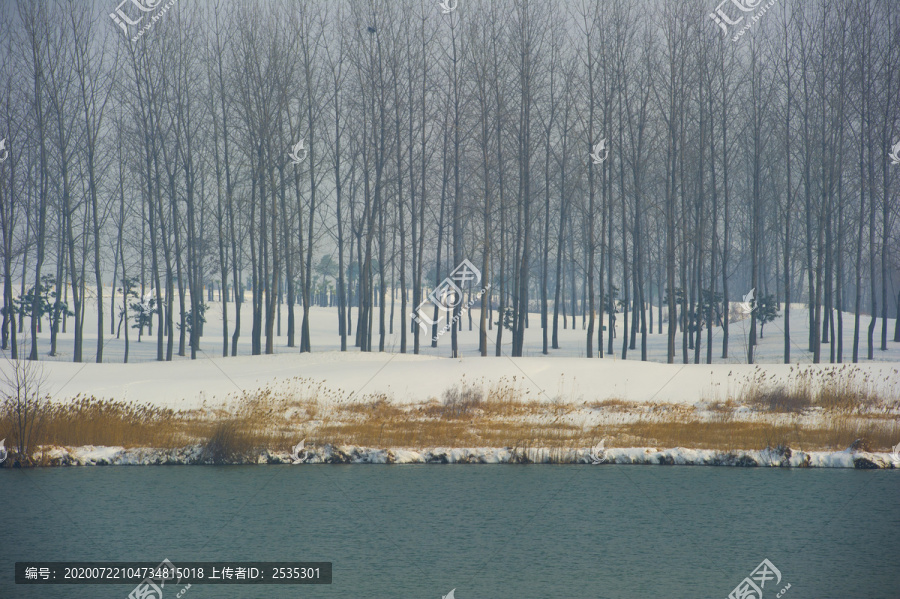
490 532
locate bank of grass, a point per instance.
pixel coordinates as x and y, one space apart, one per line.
91 421
468 415
841 389
226 434
835 434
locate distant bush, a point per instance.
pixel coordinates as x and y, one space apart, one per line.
782 399
840 389
461 402
229 442
23 408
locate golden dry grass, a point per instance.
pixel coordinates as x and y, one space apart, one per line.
89 421
612 403
835 434
468 415
837 388
449 433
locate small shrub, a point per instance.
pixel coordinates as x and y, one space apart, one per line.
229 442
461 402
23 408
781 399
844 394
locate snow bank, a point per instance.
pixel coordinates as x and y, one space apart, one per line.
349 454
335 377
331 375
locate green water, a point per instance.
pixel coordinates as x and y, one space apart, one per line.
490 532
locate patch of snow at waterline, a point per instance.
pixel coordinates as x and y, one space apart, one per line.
90 455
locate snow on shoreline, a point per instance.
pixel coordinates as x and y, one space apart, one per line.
348 454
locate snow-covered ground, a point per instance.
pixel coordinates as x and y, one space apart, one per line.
324 331
406 378
333 379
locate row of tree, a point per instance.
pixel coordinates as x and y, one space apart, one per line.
585 154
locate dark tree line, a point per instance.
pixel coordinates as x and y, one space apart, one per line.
600 161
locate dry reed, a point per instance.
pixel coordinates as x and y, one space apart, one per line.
845 408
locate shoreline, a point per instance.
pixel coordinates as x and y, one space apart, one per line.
349 454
